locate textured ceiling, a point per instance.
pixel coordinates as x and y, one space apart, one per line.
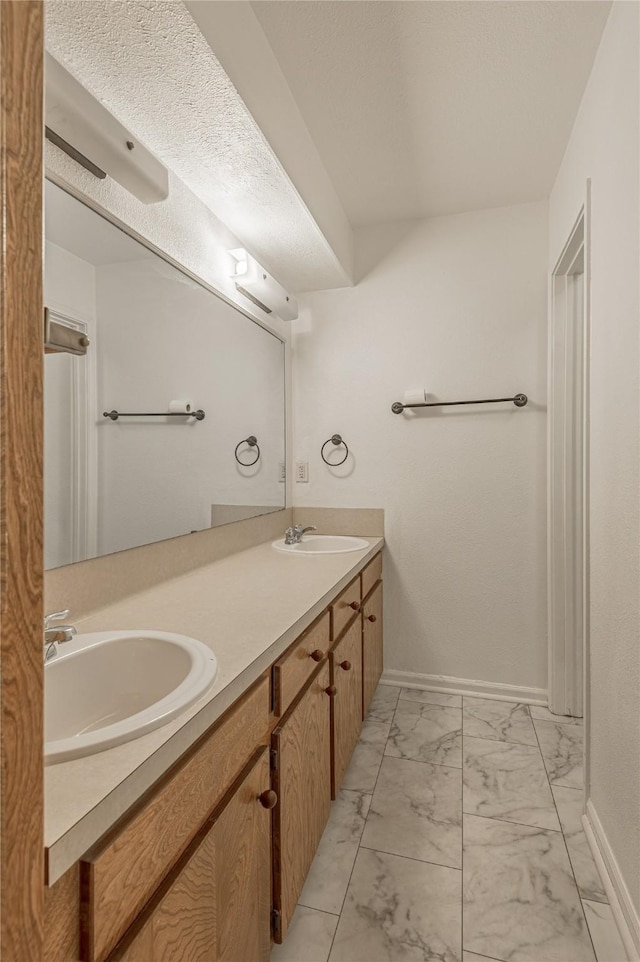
150 65
426 107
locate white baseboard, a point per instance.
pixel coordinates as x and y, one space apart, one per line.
624 911
465 686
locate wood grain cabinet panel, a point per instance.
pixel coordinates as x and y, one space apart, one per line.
346 675
345 607
217 906
371 574
371 646
291 672
120 875
302 781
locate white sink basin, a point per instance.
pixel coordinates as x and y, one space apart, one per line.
313 544
108 687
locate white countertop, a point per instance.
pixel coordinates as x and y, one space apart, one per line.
248 608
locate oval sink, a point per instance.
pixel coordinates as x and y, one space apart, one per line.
313 544
108 687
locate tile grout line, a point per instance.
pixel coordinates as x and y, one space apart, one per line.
564 838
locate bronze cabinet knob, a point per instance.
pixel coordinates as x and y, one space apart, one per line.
317 655
331 690
371 618
346 665
355 605
268 798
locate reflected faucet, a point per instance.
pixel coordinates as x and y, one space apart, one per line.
294 535
57 635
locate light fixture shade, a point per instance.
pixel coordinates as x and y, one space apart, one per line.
254 282
80 125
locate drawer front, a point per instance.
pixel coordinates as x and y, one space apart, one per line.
345 607
119 877
371 574
291 673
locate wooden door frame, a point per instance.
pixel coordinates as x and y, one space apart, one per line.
21 535
568 504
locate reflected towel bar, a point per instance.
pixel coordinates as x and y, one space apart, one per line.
114 415
519 400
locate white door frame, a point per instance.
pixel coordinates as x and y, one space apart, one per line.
84 491
568 474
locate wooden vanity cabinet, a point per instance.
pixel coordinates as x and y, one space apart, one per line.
215 906
301 778
371 645
346 715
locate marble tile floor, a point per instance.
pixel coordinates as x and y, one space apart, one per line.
456 837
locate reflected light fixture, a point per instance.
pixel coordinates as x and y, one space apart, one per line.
81 126
253 281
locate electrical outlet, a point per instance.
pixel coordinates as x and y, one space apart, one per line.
282 476
302 472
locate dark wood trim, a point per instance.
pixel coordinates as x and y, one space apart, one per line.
21 524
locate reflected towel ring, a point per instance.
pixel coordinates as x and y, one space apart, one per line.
334 439
252 441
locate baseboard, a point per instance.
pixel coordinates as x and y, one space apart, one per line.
465 686
624 911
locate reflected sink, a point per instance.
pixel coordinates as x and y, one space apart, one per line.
108 687
313 544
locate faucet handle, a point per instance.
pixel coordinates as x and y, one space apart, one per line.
55 616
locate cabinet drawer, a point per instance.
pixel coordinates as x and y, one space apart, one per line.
298 664
344 608
371 574
121 873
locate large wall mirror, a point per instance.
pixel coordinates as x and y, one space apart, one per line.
156 336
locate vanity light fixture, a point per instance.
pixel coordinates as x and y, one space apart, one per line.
254 282
81 126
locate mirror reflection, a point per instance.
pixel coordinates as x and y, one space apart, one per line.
159 343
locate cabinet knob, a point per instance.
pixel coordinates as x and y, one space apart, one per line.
371 618
346 665
317 655
355 605
268 798
331 690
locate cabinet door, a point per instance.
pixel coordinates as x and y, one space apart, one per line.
346 671
302 782
371 646
217 909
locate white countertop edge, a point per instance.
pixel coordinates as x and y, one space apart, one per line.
76 842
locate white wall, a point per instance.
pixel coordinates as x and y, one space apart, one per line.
162 336
604 147
457 304
69 287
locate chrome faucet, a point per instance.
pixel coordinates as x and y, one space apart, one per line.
57 635
294 535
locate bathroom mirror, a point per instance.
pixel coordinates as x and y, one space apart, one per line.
155 336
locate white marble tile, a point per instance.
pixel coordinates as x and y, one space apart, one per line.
426 733
330 871
507 781
398 910
604 932
417 811
502 720
561 747
539 711
309 937
569 802
363 768
472 957
520 900
383 704
431 697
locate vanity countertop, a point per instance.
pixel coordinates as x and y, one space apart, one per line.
248 608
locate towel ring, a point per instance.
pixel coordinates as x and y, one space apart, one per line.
334 439
252 441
